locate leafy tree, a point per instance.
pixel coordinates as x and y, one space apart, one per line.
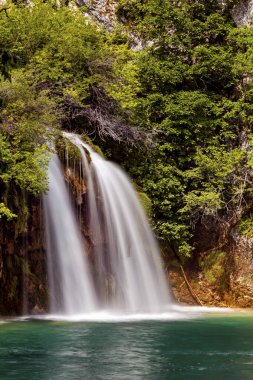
188 93
194 97
28 121
54 63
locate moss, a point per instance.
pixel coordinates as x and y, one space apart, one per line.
27 273
22 213
13 288
96 148
175 263
144 199
245 226
246 280
214 268
12 278
146 203
67 151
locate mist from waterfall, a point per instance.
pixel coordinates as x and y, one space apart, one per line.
127 274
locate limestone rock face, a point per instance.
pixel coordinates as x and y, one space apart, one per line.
102 10
242 13
241 279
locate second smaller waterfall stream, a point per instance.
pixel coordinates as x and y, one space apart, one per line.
126 274
70 285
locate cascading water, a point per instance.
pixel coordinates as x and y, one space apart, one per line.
126 274
129 274
70 284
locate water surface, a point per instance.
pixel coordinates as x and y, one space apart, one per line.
213 347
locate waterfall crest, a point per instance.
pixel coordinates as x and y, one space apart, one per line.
127 273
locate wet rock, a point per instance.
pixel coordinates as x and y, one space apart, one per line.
23 263
37 310
77 184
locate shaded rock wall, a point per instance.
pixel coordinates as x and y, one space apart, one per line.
23 278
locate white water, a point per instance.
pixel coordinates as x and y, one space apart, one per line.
126 275
70 284
128 268
175 313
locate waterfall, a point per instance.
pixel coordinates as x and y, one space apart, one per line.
126 274
70 283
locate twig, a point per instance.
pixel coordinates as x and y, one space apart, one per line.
4 9
193 294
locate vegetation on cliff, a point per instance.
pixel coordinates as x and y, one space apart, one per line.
195 97
53 62
177 114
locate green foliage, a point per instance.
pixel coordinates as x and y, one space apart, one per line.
67 151
146 203
62 49
96 148
54 59
214 268
190 89
27 121
5 212
214 180
245 227
194 95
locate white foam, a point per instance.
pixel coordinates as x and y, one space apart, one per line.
175 313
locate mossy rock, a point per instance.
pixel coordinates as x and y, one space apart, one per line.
94 147
146 203
245 226
144 199
66 150
17 212
22 213
214 268
11 283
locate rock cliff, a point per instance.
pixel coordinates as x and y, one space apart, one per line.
242 13
101 10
